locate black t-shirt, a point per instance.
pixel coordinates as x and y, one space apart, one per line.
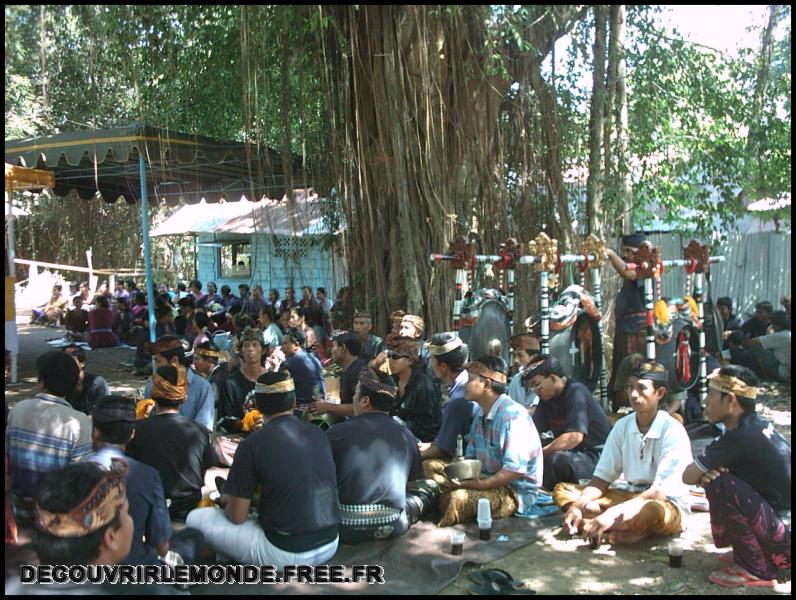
291 460
180 450
236 396
375 458
575 410
758 454
754 328
349 380
420 406
94 388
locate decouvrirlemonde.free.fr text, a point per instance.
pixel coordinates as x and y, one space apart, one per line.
200 574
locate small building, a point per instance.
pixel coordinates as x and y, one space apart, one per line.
273 243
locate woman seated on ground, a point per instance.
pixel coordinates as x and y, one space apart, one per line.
100 325
124 321
76 320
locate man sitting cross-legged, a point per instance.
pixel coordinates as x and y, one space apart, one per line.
652 449
291 461
448 356
506 442
176 446
578 423
376 458
746 474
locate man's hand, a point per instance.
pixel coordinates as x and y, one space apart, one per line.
594 529
469 484
573 519
712 475
319 407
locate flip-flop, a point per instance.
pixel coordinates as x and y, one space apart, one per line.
731 577
493 589
544 499
728 558
498 576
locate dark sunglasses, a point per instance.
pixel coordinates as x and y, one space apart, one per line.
395 355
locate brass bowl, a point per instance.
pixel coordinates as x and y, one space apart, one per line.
463 469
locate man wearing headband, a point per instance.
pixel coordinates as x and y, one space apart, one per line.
526 347
373 493
200 405
176 446
630 311
505 440
299 510
448 356
90 388
207 361
419 403
578 423
747 481
372 345
652 450
113 418
304 368
345 352
237 395
45 433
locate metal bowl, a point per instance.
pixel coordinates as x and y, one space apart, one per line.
464 469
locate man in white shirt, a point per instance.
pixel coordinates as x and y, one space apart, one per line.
652 450
526 347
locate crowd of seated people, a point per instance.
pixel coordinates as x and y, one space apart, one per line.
235 381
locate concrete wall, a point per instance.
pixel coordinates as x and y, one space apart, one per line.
316 267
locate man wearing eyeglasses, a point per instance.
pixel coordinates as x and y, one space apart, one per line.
526 347
578 423
652 450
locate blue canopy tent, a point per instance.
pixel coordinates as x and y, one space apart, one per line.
138 161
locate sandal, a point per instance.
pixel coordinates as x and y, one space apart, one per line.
728 558
486 578
493 589
736 576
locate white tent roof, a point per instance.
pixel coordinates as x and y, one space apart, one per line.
304 216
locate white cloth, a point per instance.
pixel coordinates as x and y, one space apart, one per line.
655 460
779 342
272 335
528 398
246 543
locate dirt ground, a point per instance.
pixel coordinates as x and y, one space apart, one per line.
554 564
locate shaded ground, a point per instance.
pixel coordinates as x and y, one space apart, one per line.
554 564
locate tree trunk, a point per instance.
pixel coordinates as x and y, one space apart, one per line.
43 56
596 182
622 135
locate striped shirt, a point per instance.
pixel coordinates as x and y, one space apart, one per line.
44 434
506 438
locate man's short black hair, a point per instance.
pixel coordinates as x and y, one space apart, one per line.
456 358
140 297
545 366
275 292
196 284
765 305
58 372
244 286
350 341
115 432
181 287
178 351
725 301
130 283
162 310
269 311
322 290
61 491
225 289
737 338
76 351
103 301
188 301
497 364
780 320
201 319
748 377
296 335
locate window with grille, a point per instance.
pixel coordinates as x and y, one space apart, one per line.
291 248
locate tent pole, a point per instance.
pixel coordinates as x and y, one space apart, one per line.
11 254
150 287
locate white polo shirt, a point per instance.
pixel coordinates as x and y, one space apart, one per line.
655 460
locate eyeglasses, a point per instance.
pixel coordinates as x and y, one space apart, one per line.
536 387
395 355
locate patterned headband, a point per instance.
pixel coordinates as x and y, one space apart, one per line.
480 369
445 348
97 510
727 384
369 380
206 352
288 385
165 390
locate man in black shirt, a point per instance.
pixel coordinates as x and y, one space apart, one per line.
758 324
176 446
346 347
746 474
579 425
376 458
291 461
372 345
90 388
